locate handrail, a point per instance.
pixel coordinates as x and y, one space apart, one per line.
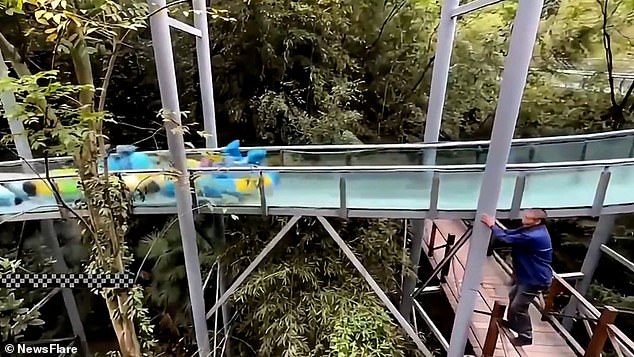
563 139
536 167
618 339
451 249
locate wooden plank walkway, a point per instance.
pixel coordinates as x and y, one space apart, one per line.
495 286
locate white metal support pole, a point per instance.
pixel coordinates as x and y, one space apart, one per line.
522 41
409 283
601 235
203 56
7 99
440 74
164 58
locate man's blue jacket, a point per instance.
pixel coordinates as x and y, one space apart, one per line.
532 253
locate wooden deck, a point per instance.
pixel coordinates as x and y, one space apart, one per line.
495 286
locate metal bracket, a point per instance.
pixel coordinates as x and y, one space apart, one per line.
599 196
184 27
343 201
433 196
263 205
518 195
473 6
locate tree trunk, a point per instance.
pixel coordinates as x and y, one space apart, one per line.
86 160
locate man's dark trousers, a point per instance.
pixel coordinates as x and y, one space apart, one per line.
520 298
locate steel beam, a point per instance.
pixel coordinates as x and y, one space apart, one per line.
164 58
184 27
51 211
618 257
254 264
409 283
434 329
7 99
473 6
516 68
219 235
203 57
602 233
440 75
377 289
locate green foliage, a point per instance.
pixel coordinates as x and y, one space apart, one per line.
362 330
62 128
574 32
295 304
15 317
323 68
167 294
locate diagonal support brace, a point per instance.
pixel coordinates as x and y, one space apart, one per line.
254 264
377 289
184 27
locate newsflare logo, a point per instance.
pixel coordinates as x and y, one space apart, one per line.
53 348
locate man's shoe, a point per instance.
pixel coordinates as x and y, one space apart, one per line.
521 341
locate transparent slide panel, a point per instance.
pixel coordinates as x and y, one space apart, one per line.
387 157
459 191
458 156
558 152
561 188
611 148
305 190
621 187
316 158
229 188
392 190
520 154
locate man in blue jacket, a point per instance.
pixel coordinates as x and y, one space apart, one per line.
532 257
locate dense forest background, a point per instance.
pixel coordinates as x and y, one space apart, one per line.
315 72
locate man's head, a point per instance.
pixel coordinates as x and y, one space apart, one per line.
533 217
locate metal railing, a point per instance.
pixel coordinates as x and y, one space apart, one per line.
523 171
479 146
493 332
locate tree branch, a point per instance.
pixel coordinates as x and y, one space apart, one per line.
607 46
109 71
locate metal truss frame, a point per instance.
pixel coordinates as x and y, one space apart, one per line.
348 253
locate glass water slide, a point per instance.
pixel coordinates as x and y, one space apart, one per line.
567 175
